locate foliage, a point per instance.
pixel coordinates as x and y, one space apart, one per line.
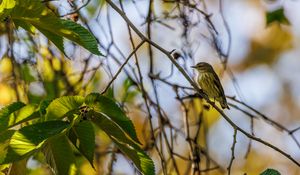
51 120
69 120
31 15
270 172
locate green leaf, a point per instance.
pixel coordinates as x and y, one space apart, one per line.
54 28
127 84
83 138
43 106
277 16
51 88
140 159
26 26
57 40
109 93
6 113
81 36
29 139
17 113
41 18
26 73
4 143
25 114
270 172
59 156
59 107
109 108
5 8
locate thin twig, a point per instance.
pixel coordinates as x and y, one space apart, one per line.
120 69
232 151
199 91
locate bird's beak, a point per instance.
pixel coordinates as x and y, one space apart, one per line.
193 67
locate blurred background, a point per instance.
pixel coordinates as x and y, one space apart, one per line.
262 71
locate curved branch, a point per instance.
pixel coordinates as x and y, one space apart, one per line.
194 85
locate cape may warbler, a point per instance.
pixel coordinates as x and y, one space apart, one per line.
210 83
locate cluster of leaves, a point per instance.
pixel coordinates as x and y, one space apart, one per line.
51 128
33 14
55 128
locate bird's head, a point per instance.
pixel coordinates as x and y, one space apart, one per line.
202 67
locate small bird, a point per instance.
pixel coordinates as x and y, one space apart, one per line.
210 83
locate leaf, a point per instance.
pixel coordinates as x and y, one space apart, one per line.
57 40
6 112
270 172
59 156
24 25
108 107
127 84
43 106
109 93
5 7
24 114
128 93
277 16
83 138
54 28
29 139
26 73
59 107
81 36
140 159
4 143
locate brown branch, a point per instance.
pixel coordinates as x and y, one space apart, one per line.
120 69
232 151
200 93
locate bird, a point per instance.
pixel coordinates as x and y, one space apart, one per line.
210 83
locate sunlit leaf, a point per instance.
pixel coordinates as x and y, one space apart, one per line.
9 117
83 138
26 113
59 156
6 112
4 143
29 139
5 7
61 106
140 159
109 108
29 14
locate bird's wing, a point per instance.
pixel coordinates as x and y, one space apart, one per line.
217 83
